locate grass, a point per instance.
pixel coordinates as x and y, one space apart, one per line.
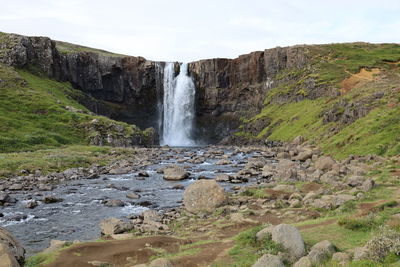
247 249
68 48
56 160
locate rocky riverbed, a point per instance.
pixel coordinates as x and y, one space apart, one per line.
70 205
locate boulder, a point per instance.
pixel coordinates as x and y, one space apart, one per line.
132 195
367 185
269 260
303 262
112 226
31 204
265 233
290 238
321 251
304 155
286 170
324 164
341 257
204 196
11 251
51 199
175 173
360 253
223 162
113 203
298 140
283 155
151 215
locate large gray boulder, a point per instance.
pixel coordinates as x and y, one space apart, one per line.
303 262
269 260
175 173
204 196
290 238
11 251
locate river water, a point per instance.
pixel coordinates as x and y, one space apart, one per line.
79 215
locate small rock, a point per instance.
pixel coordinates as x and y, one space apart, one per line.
31 204
303 262
161 262
51 199
132 195
113 203
269 260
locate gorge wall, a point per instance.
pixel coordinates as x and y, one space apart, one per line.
127 88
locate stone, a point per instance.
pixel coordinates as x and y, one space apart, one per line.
265 233
56 244
161 262
151 215
15 187
321 251
223 162
112 226
298 140
31 204
283 155
11 250
175 173
222 177
304 155
51 199
113 203
303 262
341 257
360 253
204 196
132 195
367 185
100 264
286 170
7 258
269 260
324 163
290 238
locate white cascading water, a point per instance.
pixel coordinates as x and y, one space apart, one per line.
178 107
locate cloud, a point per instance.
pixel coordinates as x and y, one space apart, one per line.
191 30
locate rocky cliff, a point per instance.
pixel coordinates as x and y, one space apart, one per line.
315 90
128 88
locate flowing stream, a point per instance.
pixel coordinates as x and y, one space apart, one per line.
178 107
79 215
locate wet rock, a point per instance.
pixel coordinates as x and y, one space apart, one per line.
6 199
45 187
223 162
15 187
113 203
143 174
116 170
31 204
175 173
178 187
290 238
114 226
222 177
11 251
51 199
204 196
269 260
132 195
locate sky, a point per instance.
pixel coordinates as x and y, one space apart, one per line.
176 30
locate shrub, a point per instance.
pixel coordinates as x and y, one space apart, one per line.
386 244
358 224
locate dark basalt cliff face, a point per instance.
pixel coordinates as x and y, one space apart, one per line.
129 88
228 89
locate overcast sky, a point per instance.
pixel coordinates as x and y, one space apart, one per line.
173 30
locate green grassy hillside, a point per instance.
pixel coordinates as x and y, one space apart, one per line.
38 113
363 79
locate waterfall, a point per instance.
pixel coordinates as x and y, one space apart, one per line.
178 107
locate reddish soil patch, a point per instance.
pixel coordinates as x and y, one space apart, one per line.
209 253
276 194
116 252
311 187
366 208
395 173
357 80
